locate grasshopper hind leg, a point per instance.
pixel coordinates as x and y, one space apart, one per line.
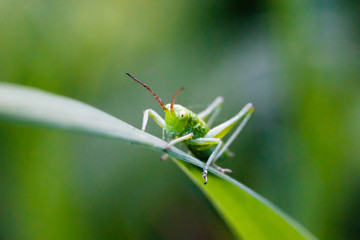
208 141
221 130
212 111
223 170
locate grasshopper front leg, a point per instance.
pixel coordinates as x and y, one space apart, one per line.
173 142
180 139
159 120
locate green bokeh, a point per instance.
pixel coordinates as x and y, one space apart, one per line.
298 63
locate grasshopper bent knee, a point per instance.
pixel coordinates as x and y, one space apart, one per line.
182 125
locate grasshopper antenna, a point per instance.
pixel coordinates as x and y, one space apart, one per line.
173 100
148 88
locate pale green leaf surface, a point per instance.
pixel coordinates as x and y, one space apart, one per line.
249 215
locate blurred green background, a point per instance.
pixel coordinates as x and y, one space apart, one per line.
297 61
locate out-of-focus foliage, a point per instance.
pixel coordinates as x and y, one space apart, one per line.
297 61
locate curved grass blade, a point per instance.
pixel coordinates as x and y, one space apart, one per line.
249 215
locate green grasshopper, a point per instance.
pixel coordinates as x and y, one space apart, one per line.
182 125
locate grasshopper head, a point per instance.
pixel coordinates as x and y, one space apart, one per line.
176 119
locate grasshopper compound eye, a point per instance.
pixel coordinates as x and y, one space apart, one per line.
183 114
